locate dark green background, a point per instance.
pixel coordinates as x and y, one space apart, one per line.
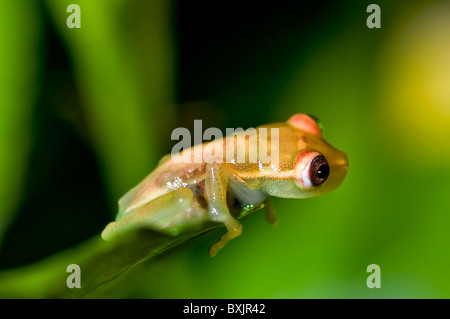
86 113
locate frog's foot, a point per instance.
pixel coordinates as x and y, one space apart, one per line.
155 215
234 229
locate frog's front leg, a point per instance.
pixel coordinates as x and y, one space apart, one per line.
216 181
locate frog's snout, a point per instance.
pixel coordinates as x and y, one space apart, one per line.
343 162
339 168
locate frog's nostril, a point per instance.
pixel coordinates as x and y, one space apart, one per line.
345 163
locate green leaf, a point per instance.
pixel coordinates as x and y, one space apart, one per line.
100 262
124 73
20 30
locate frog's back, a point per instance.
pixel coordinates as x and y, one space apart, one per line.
169 176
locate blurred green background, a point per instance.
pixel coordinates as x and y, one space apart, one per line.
85 114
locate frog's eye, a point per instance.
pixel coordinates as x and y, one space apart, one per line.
306 123
312 169
318 170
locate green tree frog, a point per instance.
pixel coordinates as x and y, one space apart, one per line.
178 196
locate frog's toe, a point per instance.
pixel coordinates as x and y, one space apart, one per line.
234 229
270 212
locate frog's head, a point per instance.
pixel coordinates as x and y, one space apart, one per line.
315 167
319 167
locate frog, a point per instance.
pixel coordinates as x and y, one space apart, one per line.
179 196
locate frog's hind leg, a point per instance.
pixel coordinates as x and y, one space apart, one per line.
155 215
216 182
